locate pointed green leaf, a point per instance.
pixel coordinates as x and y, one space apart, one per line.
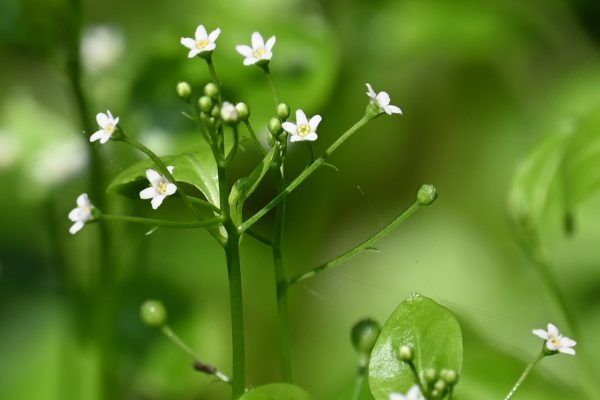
244 187
432 331
197 169
277 391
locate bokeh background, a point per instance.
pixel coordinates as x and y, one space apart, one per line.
481 84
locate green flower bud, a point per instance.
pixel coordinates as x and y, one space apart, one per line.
406 353
184 90
211 90
274 126
229 114
153 313
449 376
243 111
436 394
215 112
430 375
283 111
440 385
364 335
426 195
205 104
271 139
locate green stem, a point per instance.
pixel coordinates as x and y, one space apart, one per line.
360 380
272 84
164 223
257 236
213 74
204 203
255 138
305 174
524 375
234 147
358 249
281 285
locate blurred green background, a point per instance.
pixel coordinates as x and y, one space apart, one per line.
481 83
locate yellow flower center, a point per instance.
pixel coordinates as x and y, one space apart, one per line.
303 130
162 187
110 128
202 43
258 53
555 341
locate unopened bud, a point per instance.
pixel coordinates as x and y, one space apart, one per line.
283 111
430 375
243 111
364 335
153 313
205 104
440 385
184 90
211 90
275 126
406 353
215 112
229 114
426 195
449 376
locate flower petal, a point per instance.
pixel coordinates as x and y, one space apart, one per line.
188 42
296 138
567 342
148 193
201 33
153 176
102 119
76 227
540 333
214 35
97 135
193 53
250 60
314 122
371 93
83 200
289 127
392 110
567 350
157 201
170 168
244 50
171 189
553 330
75 215
301 118
105 137
270 43
383 99
257 41
311 137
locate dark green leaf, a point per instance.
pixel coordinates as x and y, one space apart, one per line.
432 331
198 169
277 391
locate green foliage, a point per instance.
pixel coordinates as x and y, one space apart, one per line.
432 331
277 391
198 169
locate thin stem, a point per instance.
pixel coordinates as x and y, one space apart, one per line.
281 285
204 203
305 174
358 249
198 365
234 147
360 380
272 84
524 376
213 73
254 137
164 223
257 236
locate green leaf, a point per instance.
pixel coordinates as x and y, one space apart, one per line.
244 187
277 391
198 169
432 331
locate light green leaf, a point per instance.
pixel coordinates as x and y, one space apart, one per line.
198 169
277 391
244 187
432 331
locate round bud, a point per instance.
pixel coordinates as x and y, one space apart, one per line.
229 114
153 313
364 335
205 104
211 90
283 111
449 376
271 139
430 375
275 126
243 111
184 90
215 112
440 385
426 195
406 353
435 394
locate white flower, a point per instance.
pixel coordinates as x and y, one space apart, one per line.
229 114
81 214
555 341
259 50
159 188
108 126
414 393
382 99
303 129
203 41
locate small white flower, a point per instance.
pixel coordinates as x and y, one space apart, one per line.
260 51
414 393
303 129
81 214
203 42
160 187
229 114
555 341
382 99
108 126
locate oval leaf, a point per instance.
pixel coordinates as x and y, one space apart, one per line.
277 391
198 169
432 331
